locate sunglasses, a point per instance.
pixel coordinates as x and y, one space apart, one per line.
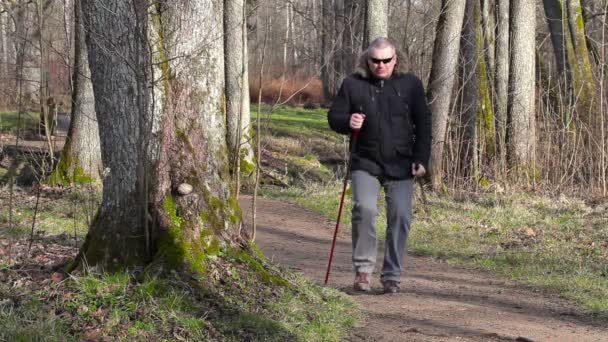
378 60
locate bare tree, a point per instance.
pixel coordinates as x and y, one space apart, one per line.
26 39
351 43
327 49
237 87
501 80
470 94
553 13
81 155
445 60
521 114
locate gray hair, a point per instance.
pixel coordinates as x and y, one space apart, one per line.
380 43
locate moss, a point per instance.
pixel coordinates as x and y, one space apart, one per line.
68 172
247 167
221 212
250 259
485 114
163 61
179 249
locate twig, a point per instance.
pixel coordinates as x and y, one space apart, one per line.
34 219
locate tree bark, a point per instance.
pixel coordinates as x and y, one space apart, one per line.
376 20
351 44
553 12
488 24
27 36
185 213
338 39
81 155
237 87
470 92
327 49
585 89
521 119
501 80
3 47
445 60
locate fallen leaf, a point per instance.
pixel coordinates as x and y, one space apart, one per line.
57 277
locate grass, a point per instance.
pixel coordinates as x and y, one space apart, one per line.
299 145
232 304
559 243
59 212
9 121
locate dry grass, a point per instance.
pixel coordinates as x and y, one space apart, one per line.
291 91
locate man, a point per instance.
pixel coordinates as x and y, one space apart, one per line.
389 109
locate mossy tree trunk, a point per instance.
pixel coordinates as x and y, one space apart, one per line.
238 117
488 27
441 82
166 196
485 113
553 12
501 81
470 93
81 155
521 113
584 84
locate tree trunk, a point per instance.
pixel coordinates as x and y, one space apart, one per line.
585 89
445 60
327 49
501 80
351 44
521 120
338 39
237 87
3 48
186 213
376 20
27 36
468 115
485 116
487 25
81 155
553 12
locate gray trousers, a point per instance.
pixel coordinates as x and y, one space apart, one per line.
366 189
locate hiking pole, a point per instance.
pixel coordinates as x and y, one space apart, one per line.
350 160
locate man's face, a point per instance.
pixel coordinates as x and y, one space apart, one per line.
382 62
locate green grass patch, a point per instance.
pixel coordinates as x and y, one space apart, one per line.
295 122
69 212
10 122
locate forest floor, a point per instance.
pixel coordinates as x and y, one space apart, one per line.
437 302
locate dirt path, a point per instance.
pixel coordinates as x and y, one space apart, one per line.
438 302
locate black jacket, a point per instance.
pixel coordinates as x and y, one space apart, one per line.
397 127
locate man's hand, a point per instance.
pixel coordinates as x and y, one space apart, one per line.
356 120
418 170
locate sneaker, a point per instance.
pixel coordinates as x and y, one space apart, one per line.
362 282
390 286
